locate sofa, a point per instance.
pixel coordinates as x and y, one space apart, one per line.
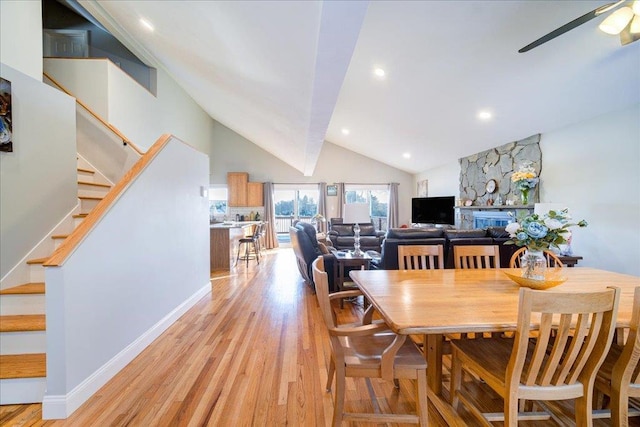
342 236
447 238
306 249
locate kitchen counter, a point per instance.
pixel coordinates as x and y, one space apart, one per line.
234 224
224 242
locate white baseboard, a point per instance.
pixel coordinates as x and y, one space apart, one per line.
18 391
61 406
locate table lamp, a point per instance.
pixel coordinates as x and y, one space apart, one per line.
356 213
317 221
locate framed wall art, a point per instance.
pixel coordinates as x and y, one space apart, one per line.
332 190
423 188
6 129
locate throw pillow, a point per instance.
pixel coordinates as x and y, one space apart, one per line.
323 248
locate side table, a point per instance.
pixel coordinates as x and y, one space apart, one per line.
569 261
346 259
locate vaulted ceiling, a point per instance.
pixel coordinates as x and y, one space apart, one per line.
289 75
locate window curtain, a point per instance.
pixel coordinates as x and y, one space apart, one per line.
340 212
322 206
392 211
270 238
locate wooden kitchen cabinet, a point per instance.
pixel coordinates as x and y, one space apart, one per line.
243 193
254 194
237 184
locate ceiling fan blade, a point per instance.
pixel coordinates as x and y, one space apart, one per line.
570 26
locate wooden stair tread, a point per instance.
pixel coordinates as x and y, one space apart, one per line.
37 261
90 198
25 289
86 170
23 365
23 322
94 184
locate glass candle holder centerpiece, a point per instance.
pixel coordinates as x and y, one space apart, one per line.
356 240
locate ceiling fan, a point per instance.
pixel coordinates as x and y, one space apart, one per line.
624 21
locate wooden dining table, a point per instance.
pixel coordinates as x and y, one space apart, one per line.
438 302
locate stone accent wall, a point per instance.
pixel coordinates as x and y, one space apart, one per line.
499 163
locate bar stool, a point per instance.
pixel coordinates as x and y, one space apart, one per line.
250 244
261 239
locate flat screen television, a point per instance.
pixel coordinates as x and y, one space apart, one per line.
433 210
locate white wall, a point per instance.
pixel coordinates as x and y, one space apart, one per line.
443 180
146 261
21 36
594 168
233 153
144 117
38 179
87 79
139 115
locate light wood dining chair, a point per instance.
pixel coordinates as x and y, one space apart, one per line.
420 257
476 256
552 259
554 366
369 351
619 375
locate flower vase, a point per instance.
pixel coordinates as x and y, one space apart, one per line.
524 196
533 264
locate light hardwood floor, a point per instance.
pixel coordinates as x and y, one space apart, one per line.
251 353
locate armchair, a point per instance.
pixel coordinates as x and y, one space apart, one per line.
306 249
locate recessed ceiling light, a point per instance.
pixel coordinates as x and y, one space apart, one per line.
406 155
345 131
146 24
379 72
484 115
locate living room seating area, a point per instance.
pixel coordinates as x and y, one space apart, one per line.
307 248
342 236
449 239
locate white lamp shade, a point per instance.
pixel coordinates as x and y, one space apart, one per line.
616 22
356 213
636 7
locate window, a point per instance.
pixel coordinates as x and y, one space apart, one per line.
217 201
285 202
307 203
294 202
376 195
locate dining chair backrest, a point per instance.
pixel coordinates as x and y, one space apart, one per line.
321 281
626 368
552 259
476 256
420 257
619 376
573 333
572 341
